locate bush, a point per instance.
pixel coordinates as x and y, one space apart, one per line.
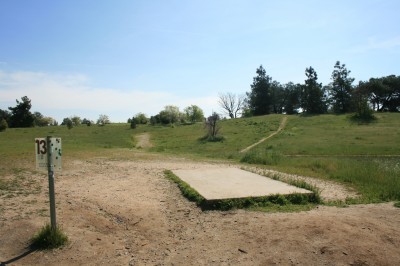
47 238
213 127
364 113
3 124
70 124
133 123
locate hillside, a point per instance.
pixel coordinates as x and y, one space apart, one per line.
326 146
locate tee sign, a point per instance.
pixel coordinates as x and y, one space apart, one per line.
41 150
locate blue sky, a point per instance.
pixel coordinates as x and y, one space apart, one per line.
119 58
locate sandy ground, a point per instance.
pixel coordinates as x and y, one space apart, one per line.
127 213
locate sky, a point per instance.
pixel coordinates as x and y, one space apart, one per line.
119 58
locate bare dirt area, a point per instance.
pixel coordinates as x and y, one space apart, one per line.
128 213
143 141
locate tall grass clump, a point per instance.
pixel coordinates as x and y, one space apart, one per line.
47 238
260 156
376 179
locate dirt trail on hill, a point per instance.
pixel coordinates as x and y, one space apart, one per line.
143 141
128 213
281 127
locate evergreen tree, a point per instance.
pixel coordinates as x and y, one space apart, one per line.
292 93
21 115
312 95
259 99
341 89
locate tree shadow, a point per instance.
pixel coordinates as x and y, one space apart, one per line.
26 253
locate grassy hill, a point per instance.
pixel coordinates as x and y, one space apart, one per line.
325 146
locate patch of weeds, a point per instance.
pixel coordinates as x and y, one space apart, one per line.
260 157
186 190
43 212
47 238
284 208
9 185
315 198
397 204
337 203
363 118
208 138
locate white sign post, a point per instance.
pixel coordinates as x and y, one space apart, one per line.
48 157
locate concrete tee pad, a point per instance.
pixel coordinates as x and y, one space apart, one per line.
229 183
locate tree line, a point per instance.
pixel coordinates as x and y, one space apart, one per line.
20 116
266 96
339 96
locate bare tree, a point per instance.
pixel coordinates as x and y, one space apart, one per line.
231 103
212 126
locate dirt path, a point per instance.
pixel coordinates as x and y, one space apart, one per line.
143 141
281 127
127 213
329 190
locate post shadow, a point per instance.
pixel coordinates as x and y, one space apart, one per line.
26 253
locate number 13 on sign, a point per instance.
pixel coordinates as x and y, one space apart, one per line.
41 150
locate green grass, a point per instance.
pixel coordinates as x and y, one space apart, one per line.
365 157
397 204
47 238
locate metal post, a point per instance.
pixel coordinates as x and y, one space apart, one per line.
51 183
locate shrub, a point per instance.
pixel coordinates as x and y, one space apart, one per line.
47 238
70 124
133 123
213 127
3 124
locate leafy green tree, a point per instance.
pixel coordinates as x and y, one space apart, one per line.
341 89
278 97
169 115
259 98
76 120
141 118
6 115
364 113
87 122
292 93
3 124
154 120
383 93
312 95
133 123
65 121
21 115
194 114
103 120
42 121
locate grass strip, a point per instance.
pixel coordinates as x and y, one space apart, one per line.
283 203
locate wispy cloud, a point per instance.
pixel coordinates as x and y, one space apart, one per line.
61 96
375 43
